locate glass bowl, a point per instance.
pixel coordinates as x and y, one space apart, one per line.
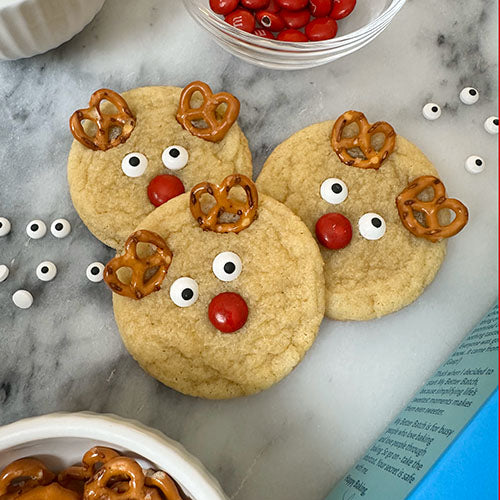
369 19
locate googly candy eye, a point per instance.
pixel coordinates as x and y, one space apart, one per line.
175 157
334 191
4 272
60 228
134 164
469 95
227 266
491 125
95 272
22 299
474 164
36 229
184 292
4 226
372 226
46 271
431 111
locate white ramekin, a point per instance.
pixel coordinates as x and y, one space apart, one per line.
29 27
61 439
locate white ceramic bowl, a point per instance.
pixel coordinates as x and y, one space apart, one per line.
29 27
61 439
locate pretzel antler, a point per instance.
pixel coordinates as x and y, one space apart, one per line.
247 210
123 119
373 158
216 128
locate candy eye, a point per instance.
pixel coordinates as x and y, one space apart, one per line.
36 229
95 272
60 228
4 226
227 266
46 271
474 164
491 125
184 292
372 226
134 164
175 157
469 95
334 191
431 111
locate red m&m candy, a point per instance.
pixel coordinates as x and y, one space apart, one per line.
320 8
292 36
342 8
223 7
242 19
164 187
228 312
270 20
273 7
295 19
322 28
293 4
255 4
264 33
334 231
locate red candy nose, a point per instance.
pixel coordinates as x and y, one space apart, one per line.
228 312
334 231
163 188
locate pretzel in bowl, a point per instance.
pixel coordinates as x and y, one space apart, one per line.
216 128
104 122
24 475
408 203
140 284
363 140
211 221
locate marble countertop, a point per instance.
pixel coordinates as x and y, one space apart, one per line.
297 439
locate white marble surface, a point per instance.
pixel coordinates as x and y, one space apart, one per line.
297 439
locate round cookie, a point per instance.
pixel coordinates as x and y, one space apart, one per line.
281 282
111 203
367 278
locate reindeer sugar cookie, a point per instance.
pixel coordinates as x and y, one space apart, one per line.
218 307
359 188
135 151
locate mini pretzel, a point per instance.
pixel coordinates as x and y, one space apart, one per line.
373 158
216 128
223 204
163 482
408 203
53 491
139 287
123 119
24 475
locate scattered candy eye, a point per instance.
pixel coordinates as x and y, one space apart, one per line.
372 226
22 299
293 4
242 19
295 19
270 20
474 164
95 272
184 292
4 272
4 226
490 125
334 191
469 95
320 8
342 8
431 111
36 229
227 266
46 271
175 157
60 228
223 7
334 231
134 164
292 36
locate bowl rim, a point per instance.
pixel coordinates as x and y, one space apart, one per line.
149 443
209 17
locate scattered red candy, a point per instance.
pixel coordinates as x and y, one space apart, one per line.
242 19
342 8
163 188
322 28
292 36
262 32
273 7
270 20
223 7
293 4
334 231
255 4
320 8
295 19
228 312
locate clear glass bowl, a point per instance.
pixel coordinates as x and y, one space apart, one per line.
369 19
